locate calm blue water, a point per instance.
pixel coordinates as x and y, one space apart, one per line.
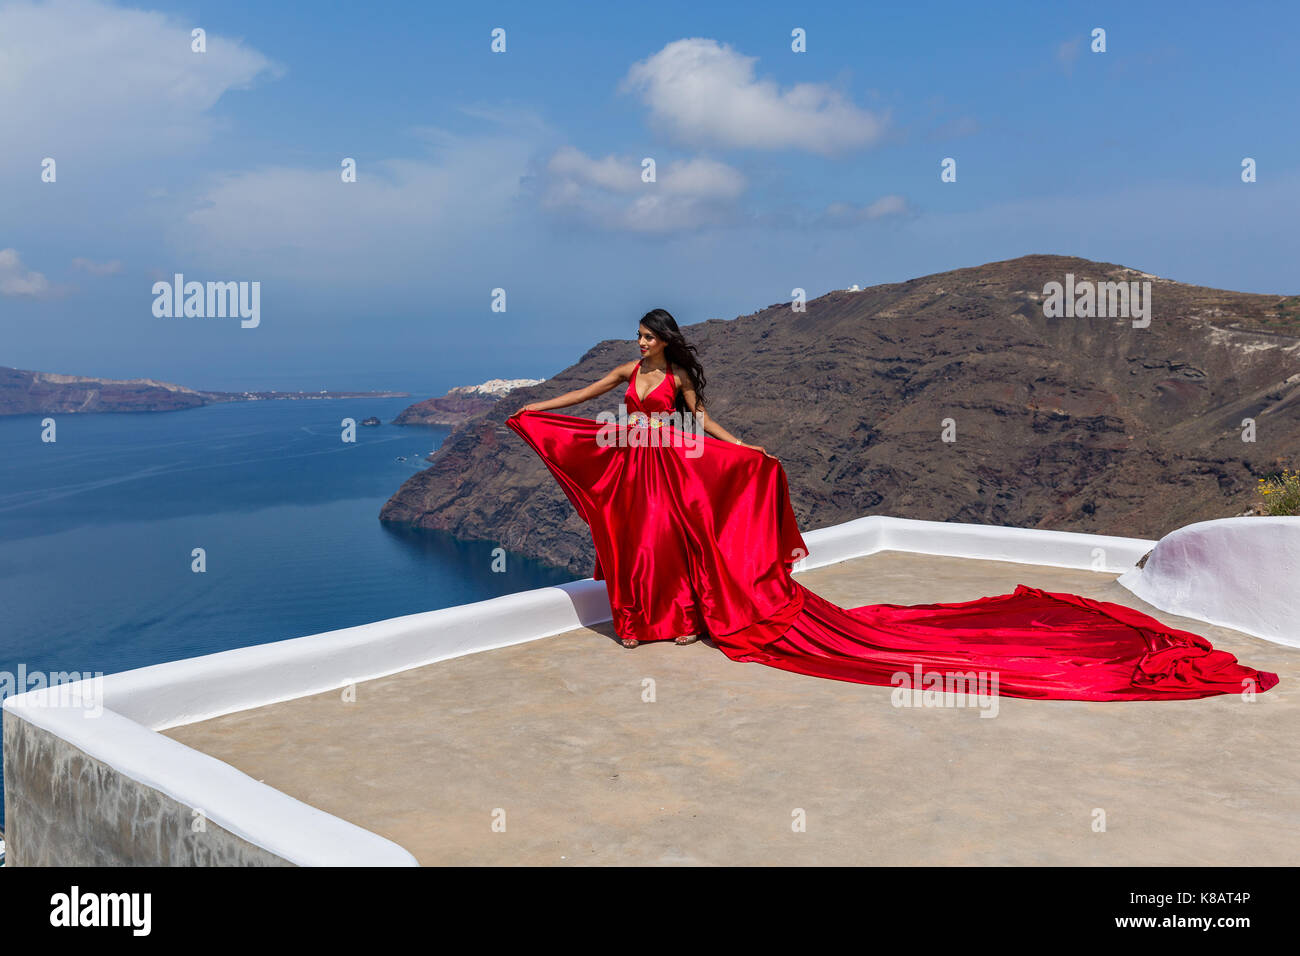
97 529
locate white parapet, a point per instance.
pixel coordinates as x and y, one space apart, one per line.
115 720
1242 573
1060 549
1237 572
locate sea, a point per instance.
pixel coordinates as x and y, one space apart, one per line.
138 538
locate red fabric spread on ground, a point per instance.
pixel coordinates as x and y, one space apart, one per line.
697 535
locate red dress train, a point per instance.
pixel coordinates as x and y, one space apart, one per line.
696 535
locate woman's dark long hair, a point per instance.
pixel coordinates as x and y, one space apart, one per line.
678 352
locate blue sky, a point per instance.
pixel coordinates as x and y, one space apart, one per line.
521 170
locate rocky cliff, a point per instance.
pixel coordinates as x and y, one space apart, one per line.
1084 424
461 403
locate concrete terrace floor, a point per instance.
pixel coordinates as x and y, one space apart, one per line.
555 732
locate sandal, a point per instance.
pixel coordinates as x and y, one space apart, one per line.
686 639
629 642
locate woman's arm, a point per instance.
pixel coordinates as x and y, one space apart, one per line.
578 396
706 422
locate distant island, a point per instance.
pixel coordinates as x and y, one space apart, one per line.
462 403
24 392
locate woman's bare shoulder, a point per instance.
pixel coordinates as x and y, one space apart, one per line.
625 370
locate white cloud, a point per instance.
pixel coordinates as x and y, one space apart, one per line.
89 83
705 93
613 173
97 268
608 193
401 217
15 279
703 177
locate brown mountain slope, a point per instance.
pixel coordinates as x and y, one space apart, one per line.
1084 424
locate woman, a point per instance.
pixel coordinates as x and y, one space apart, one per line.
685 526
694 533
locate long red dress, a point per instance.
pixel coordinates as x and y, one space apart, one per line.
696 535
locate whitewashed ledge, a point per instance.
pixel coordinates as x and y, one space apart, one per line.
1242 573
110 790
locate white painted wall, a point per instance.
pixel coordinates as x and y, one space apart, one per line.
1242 573
140 702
